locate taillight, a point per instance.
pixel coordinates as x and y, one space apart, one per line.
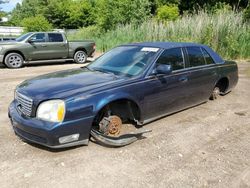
94 46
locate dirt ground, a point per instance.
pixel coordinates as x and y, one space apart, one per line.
205 146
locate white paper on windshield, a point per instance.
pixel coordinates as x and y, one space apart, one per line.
147 49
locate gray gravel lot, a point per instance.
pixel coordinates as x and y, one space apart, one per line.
205 146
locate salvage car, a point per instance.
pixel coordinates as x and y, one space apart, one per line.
136 83
44 47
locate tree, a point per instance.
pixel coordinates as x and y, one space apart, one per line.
69 14
2 13
28 8
109 13
168 12
36 23
195 5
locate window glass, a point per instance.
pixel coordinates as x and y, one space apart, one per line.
125 60
195 56
172 57
38 37
208 58
55 37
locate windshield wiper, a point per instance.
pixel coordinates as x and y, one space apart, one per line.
86 67
105 71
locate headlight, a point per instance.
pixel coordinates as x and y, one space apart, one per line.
1 48
53 111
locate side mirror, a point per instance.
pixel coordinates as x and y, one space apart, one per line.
31 40
163 69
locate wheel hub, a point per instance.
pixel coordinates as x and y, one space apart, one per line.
110 125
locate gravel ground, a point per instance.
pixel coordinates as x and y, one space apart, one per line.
205 146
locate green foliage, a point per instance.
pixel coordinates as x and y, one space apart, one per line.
37 23
28 8
168 12
86 32
225 32
69 14
60 13
220 7
247 14
109 13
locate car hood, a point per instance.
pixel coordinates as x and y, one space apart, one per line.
64 83
8 43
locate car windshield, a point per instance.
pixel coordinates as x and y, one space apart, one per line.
125 60
23 37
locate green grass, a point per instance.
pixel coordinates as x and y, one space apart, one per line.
225 32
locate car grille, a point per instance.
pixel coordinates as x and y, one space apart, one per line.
24 104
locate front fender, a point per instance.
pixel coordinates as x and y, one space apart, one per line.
114 97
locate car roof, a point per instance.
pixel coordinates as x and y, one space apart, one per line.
168 45
165 45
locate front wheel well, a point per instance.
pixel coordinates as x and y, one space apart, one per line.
14 51
126 109
223 84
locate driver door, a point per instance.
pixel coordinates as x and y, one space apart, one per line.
36 47
165 94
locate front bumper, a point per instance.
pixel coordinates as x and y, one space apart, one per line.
1 58
47 133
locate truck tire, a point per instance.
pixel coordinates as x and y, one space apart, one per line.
14 60
80 57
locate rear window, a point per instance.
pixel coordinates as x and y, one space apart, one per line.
195 56
55 37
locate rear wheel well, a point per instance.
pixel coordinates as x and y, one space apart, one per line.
126 109
223 84
81 49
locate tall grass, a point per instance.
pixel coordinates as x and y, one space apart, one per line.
225 32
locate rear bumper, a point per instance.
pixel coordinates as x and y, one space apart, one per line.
47 133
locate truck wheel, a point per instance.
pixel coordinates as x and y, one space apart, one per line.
80 57
14 60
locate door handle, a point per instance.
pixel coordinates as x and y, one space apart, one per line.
43 45
183 79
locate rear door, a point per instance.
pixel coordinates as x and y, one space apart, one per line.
165 94
57 46
202 76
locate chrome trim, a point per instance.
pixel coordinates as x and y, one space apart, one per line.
25 104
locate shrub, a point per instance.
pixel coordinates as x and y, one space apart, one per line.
109 13
220 7
225 32
247 14
37 23
168 12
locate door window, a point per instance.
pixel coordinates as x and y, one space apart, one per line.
55 37
195 56
208 58
38 37
172 57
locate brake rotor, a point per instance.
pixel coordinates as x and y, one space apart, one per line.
111 125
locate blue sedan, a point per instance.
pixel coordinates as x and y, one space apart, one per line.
135 83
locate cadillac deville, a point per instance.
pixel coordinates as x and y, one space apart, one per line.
135 83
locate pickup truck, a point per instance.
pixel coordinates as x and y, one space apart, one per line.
134 83
44 47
